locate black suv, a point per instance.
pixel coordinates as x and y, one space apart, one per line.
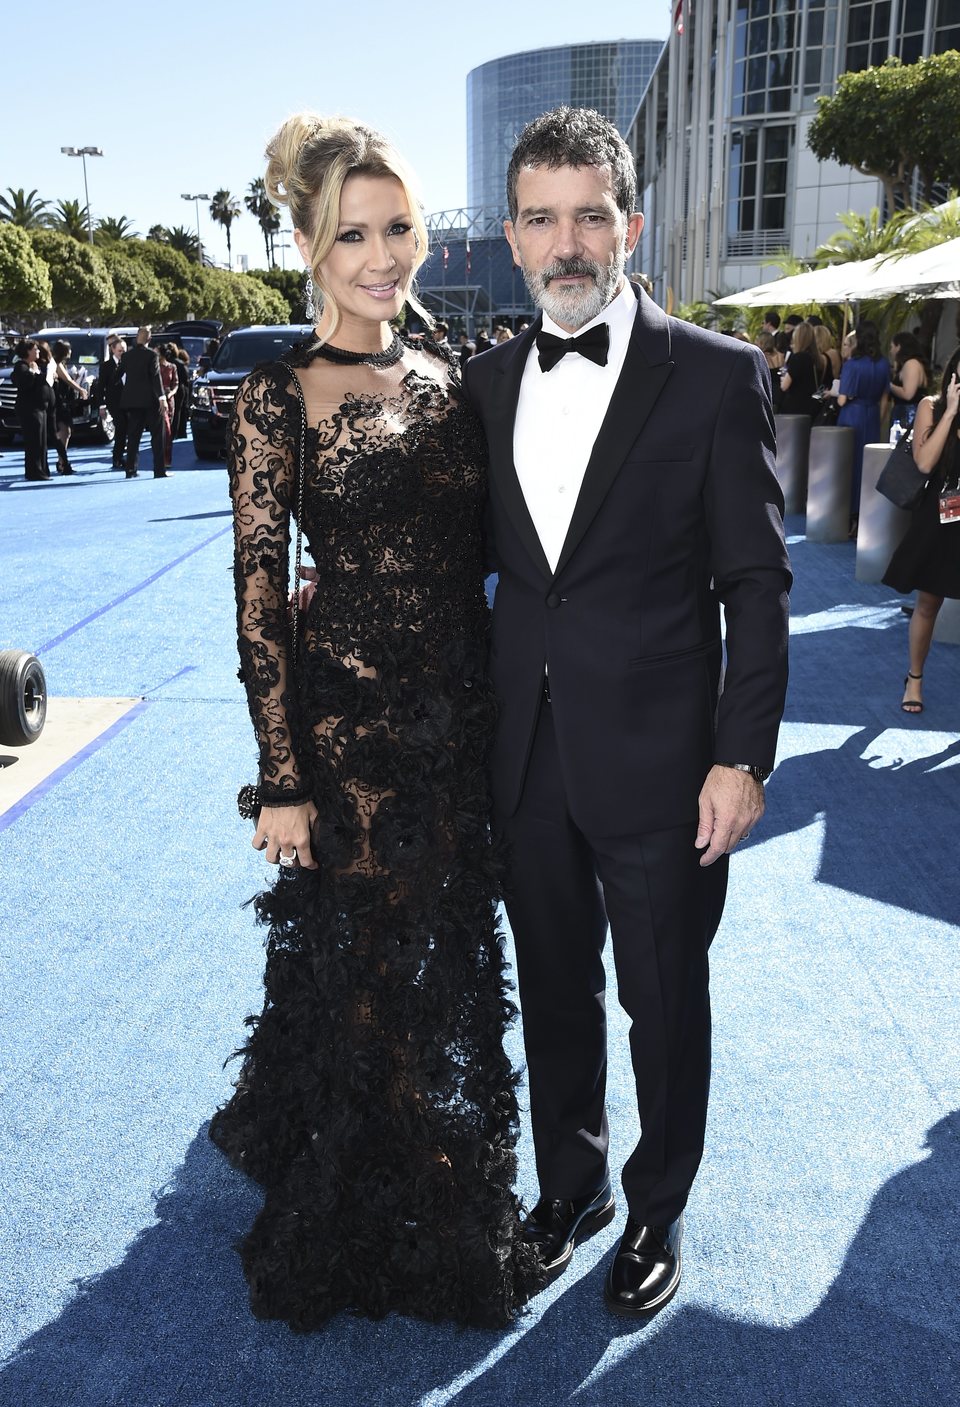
215 391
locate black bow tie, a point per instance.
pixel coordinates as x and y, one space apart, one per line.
592 344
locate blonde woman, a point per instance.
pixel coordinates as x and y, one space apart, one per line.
375 1103
827 347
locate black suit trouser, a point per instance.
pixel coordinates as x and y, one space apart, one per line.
140 418
119 417
33 426
663 911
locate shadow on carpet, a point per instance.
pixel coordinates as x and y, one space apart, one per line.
170 1327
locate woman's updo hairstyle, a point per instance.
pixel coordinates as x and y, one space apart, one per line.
308 161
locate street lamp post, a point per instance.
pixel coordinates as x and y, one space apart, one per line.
83 153
196 201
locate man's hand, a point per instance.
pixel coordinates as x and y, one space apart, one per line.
731 804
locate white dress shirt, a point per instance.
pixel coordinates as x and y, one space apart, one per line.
559 414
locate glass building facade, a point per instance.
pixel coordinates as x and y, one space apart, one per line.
720 137
507 93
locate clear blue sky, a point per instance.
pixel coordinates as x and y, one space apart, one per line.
182 97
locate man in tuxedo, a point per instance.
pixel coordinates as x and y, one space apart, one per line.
143 400
110 383
632 492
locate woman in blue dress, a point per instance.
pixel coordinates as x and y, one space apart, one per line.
863 384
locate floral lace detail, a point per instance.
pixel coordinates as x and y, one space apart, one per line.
375 1102
389 479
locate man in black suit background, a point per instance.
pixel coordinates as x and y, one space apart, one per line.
632 492
110 384
142 399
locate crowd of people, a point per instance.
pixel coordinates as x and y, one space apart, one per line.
139 387
858 386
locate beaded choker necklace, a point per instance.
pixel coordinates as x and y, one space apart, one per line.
388 357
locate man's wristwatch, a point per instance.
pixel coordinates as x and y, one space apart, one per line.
759 774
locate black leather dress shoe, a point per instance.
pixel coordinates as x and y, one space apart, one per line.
646 1269
165 475
131 473
557 1226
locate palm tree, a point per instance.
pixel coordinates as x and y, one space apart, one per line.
70 218
24 210
159 234
864 237
224 209
114 227
265 213
179 237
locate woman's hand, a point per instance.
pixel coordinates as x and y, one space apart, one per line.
281 830
953 396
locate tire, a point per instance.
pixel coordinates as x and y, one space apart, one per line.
23 698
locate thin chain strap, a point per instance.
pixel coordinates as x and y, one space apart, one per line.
301 474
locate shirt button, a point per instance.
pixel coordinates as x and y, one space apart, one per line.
553 600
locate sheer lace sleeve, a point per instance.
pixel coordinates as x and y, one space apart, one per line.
262 469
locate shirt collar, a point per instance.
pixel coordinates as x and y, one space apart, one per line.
619 313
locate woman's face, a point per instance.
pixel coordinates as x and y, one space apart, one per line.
848 346
370 267
33 355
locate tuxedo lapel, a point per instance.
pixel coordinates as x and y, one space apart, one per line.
500 426
645 371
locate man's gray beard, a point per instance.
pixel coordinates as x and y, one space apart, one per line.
569 306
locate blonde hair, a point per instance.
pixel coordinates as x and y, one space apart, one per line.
824 338
309 160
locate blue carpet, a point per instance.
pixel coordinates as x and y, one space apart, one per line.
821 1256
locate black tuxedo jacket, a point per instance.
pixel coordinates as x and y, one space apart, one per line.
109 384
143 387
679 511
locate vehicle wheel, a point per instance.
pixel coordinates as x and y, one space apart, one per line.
23 698
205 451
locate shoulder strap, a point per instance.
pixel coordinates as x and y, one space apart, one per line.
301 455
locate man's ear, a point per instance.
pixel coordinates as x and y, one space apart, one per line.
511 235
634 230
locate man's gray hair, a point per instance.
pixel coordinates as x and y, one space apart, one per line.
574 136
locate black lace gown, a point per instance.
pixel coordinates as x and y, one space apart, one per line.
375 1103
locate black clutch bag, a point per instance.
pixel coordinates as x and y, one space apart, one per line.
900 480
249 802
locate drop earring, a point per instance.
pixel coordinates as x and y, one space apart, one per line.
311 310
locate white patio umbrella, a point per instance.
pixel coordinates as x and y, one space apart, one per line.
827 285
933 272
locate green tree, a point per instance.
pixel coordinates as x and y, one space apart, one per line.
265 213
289 284
262 303
179 237
25 285
865 236
894 122
224 209
70 218
112 228
141 297
23 209
82 286
179 278
159 234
